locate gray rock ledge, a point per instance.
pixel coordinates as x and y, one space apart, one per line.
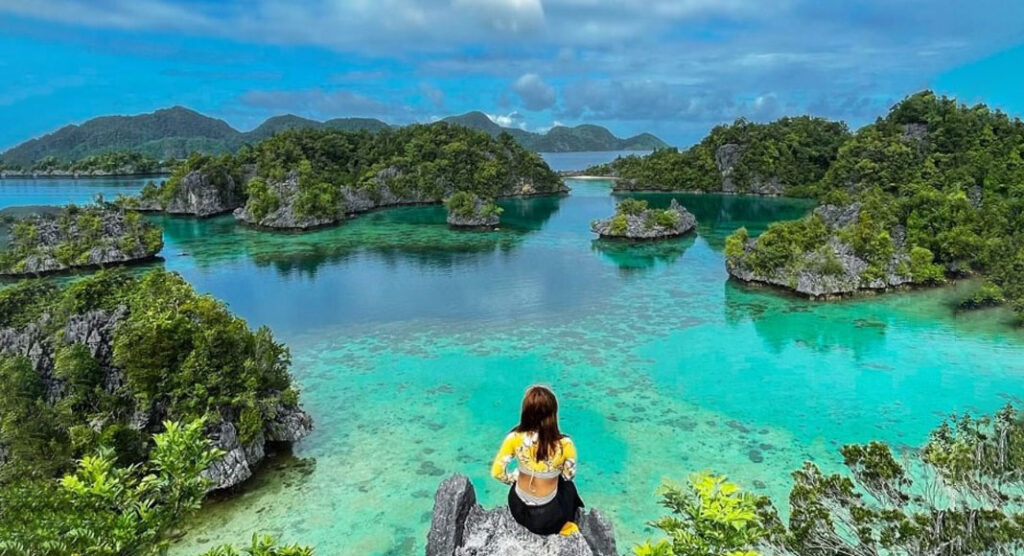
461 527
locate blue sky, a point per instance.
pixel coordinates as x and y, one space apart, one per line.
671 67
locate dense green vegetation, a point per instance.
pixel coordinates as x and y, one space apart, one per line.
180 355
946 179
663 218
960 494
417 162
172 355
115 162
463 204
70 238
794 151
103 508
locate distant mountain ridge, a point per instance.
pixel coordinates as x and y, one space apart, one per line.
584 137
177 131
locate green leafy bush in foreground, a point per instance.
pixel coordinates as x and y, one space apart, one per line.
105 509
961 494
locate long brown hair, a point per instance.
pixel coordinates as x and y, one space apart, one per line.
540 415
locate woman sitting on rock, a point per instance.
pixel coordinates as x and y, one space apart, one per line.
543 497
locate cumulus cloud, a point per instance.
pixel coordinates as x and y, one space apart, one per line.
534 92
698 62
512 119
505 15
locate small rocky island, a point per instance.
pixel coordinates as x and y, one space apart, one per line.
201 186
300 180
634 220
823 257
76 237
467 210
461 527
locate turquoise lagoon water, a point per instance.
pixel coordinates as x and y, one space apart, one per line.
412 345
61 191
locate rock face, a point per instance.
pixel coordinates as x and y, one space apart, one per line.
645 225
834 270
113 240
479 218
95 330
461 527
197 195
726 158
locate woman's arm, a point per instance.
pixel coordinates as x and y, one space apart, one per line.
507 452
569 464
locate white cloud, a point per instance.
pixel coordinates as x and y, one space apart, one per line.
534 92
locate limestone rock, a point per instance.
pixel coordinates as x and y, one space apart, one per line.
644 226
95 330
480 217
57 230
833 270
197 196
726 158
461 527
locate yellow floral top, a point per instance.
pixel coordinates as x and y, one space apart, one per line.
522 446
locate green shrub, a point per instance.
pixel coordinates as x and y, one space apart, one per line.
631 207
619 224
922 268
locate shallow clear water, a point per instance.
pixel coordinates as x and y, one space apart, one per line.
413 344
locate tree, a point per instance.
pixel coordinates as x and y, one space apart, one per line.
713 517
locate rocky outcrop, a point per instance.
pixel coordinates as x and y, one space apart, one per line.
380 193
648 224
84 237
196 194
834 269
461 527
726 158
95 330
475 214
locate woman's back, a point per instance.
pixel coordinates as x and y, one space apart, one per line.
543 497
522 447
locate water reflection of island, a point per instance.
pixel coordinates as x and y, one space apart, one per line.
418 234
783 321
640 256
719 215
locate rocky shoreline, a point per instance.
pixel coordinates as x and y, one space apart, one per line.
833 270
461 527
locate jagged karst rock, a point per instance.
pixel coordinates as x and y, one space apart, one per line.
644 226
56 230
480 217
95 330
197 195
836 216
461 527
726 158
834 270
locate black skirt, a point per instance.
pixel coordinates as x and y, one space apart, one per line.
547 519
